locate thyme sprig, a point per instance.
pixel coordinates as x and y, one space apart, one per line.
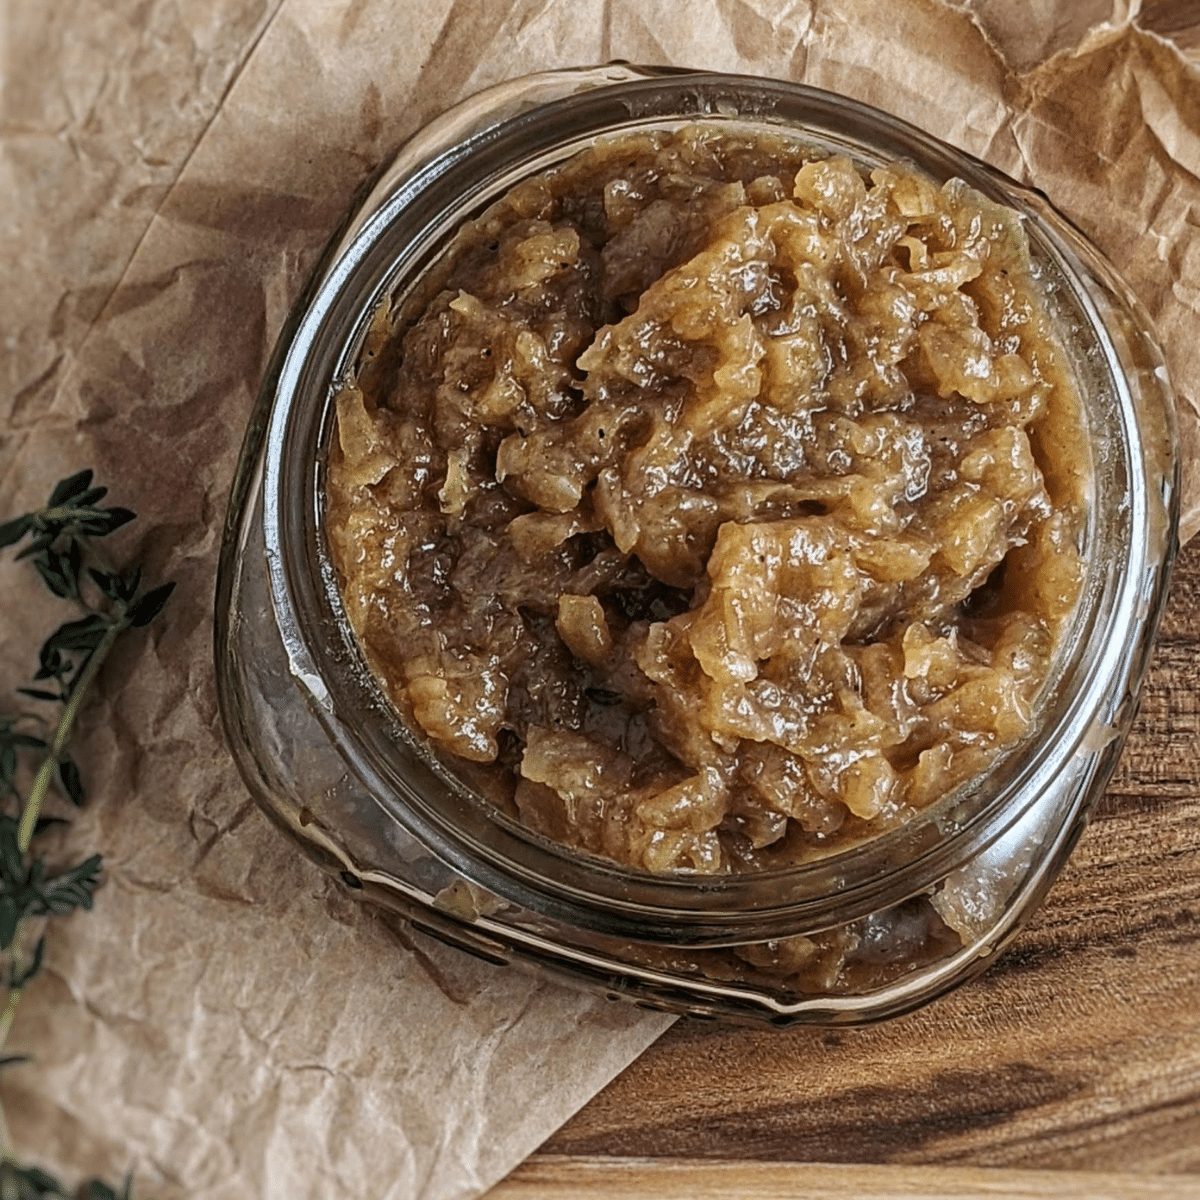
60 540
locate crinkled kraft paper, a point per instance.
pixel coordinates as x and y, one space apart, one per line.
228 1021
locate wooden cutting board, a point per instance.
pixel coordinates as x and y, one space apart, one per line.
1078 1051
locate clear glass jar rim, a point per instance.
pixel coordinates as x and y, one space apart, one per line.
511 861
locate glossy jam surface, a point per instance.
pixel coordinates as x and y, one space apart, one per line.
712 506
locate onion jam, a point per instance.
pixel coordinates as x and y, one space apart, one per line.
712 505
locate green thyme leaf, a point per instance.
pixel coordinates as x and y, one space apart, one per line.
9 916
72 783
72 563
8 768
109 584
12 862
130 584
73 682
84 634
51 662
70 890
96 1189
150 605
69 488
14 531
39 543
27 741
39 694
105 521
52 577
20 976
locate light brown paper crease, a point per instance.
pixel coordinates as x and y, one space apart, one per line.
228 1021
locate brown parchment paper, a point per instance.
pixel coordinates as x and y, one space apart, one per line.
228 1021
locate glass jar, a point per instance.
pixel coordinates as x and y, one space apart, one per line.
329 760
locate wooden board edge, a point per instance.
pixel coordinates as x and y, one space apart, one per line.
568 1177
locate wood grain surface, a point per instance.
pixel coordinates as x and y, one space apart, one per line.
1079 1050
552 1178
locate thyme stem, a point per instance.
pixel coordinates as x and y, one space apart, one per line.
41 783
6 1018
11 1000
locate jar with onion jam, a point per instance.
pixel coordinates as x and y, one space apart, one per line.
702 537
